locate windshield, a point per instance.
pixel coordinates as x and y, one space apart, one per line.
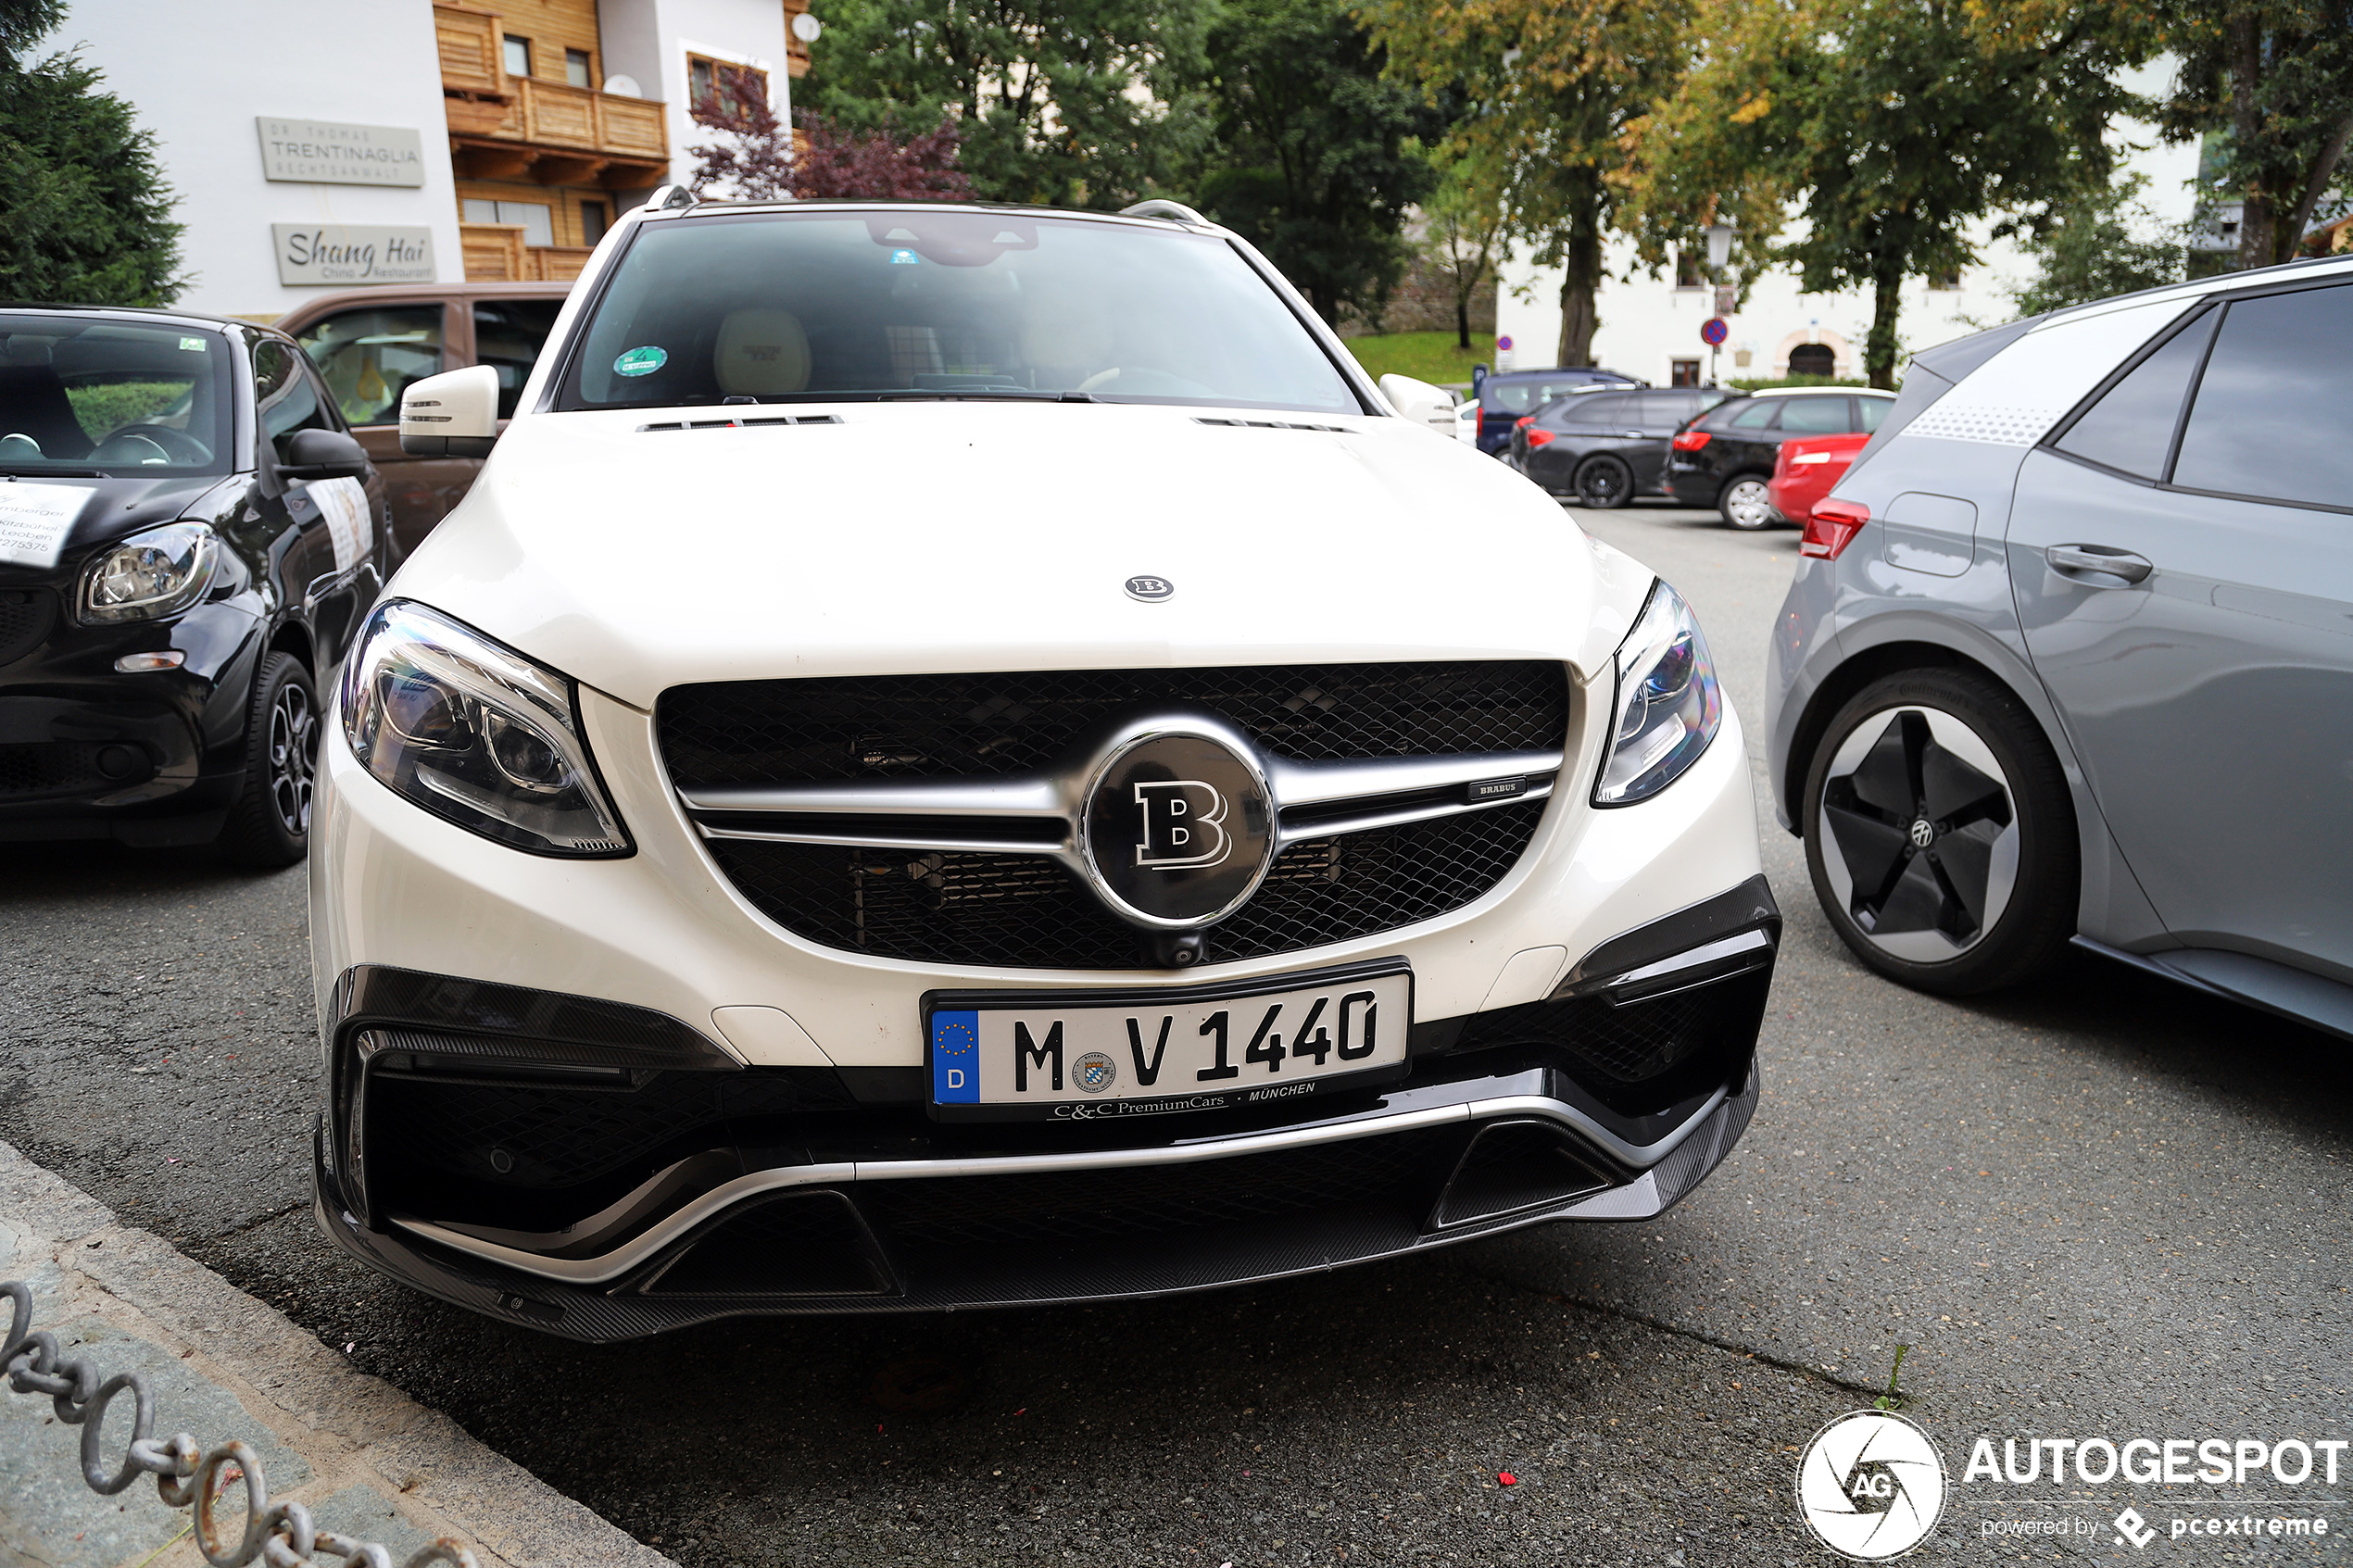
810 307
1525 396
84 396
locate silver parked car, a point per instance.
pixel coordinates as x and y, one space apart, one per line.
2071 653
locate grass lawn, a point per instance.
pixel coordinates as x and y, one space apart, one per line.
1430 357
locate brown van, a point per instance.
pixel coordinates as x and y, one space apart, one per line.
369 343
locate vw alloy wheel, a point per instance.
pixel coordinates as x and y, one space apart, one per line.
1921 833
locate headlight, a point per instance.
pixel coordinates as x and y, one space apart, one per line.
475 733
156 574
1668 706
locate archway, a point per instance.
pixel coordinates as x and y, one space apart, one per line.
1813 360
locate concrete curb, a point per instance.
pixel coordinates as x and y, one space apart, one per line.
363 1457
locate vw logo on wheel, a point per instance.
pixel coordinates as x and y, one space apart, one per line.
1923 833
1178 826
1871 1486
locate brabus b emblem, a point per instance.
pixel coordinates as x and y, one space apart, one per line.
1152 590
1183 824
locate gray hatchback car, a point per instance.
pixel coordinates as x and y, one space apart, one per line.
2071 653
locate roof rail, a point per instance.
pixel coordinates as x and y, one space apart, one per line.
1158 208
671 198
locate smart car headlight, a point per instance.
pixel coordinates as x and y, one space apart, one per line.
473 731
152 574
1668 703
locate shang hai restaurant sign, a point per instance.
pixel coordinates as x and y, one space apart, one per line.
320 152
353 253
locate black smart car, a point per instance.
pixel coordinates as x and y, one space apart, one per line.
188 537
1725 460
1605 446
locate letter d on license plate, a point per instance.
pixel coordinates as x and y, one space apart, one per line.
1084 1054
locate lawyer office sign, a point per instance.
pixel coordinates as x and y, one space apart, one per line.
324 152
353 253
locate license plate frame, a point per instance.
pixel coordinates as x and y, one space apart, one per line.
1252 1085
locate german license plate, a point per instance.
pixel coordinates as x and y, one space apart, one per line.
1083 1054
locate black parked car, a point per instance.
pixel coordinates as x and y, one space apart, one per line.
1506 396
188 537
1725 460
1604 447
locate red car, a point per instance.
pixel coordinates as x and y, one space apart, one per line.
1806 470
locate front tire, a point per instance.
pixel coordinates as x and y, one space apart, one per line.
1939 833
268 828
1744 504
1604 484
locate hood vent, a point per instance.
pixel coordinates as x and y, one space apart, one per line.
746 424
1272 425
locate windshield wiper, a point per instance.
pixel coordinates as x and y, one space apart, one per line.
17 471
925 394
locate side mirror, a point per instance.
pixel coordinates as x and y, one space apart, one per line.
1432 407
454 414
323 454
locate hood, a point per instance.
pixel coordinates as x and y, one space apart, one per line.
876 539
111 509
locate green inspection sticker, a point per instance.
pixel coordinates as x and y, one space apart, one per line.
640 362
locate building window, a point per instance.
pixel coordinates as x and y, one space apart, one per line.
1683 372
1948 279
722 93
1687 274
518 55
592 222
577 68
536 217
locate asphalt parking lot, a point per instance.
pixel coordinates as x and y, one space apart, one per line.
2099 1206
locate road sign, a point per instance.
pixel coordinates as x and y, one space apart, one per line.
1505 344
1714 330
1727 303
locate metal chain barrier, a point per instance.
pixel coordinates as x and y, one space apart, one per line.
279 1534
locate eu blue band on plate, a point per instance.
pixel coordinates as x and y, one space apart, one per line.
955 1058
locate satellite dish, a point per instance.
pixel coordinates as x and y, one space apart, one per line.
806 28
624 87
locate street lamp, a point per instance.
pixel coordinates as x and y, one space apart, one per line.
1719 245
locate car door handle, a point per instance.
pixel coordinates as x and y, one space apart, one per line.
2100 558
1633 435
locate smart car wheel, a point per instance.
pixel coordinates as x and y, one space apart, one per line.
1744 504
1939 833
270 825
1604 484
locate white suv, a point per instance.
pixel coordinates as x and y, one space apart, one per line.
964 756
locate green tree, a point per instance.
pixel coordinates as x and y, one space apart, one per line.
1551 89
1311 155
89 218
1074 103
2272 82
1461 234
1894 126
2090 251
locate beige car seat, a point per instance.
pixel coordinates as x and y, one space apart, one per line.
760 354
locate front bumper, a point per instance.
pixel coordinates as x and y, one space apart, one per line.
598 1173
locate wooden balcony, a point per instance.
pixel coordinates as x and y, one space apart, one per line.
506 126
495 253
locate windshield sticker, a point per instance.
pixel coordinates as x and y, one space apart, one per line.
35 519
903 259
641 362
191 346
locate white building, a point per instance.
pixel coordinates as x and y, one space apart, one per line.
333 144
1650 327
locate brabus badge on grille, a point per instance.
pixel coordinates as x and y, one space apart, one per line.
1152 590
1179 825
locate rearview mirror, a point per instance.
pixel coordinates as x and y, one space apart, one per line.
454 414
1429 406
323 454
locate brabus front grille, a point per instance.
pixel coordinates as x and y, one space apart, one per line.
941 726
1019 912
1006 910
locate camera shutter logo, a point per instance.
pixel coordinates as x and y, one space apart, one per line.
1871 1486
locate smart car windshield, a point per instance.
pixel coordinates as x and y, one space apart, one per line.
848 304
81 395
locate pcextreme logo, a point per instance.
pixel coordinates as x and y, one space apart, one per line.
1871 1486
